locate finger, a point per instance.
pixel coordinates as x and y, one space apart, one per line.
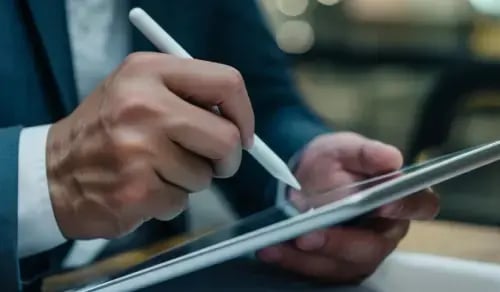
160 200
421 206
176 165
209 84
319 181
168 203
298 261
227 166
319 188
368 157
147 196
316 266
205 134
390 229
312 241
351 245
164 201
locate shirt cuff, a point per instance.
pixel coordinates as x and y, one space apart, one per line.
38 230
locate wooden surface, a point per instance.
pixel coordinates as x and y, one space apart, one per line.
440 238
454 240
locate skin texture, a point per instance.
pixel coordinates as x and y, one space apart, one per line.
349 254
142 141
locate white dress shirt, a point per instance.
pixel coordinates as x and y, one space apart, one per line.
98 33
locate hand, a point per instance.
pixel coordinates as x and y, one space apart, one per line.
142 141
349 254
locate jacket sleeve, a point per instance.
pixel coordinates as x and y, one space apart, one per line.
241 39
9 269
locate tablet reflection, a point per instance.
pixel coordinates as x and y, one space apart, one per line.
303 201
298 202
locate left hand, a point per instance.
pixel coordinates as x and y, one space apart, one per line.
349 254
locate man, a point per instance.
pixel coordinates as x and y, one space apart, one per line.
94 142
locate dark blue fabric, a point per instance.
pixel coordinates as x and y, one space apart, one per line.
9 273
37 87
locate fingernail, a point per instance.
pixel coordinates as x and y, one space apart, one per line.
311 241
270 254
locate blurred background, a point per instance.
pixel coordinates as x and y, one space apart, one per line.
423 75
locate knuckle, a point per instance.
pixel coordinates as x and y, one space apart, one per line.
133 193
129 105
132 108
234 80
231 140
398 209
176 126
134 186
138 60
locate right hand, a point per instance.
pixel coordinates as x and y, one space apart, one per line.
142 141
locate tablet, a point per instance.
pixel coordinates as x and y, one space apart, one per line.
294 218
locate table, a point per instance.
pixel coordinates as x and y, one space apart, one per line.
464 241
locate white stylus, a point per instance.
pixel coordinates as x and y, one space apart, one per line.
166 44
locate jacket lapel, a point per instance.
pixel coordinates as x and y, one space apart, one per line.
178 19
139 42
49 17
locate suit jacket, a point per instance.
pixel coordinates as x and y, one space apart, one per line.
37 87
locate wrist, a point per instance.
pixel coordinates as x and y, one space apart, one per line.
38 229
59 176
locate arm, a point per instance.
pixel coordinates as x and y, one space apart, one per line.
242 40
9 140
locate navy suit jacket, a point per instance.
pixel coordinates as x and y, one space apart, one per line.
37 87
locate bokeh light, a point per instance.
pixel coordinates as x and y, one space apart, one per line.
486 6
292 7
329 2
295 36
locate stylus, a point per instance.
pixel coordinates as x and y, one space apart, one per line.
165 43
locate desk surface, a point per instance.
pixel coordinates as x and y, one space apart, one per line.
463 241
438 238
